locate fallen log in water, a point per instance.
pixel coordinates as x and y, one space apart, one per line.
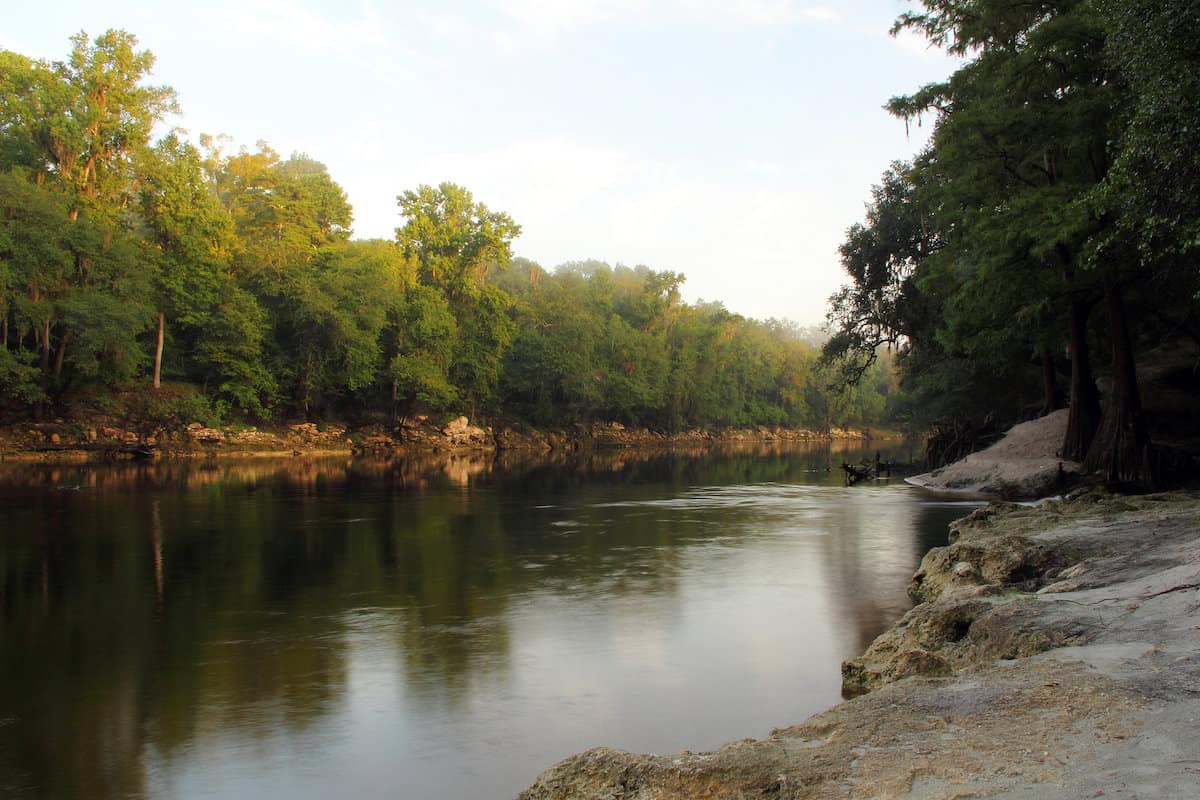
867 470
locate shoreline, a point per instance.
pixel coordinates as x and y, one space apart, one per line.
62 442
1023 465
1055 653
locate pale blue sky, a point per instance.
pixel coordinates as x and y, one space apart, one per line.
730 140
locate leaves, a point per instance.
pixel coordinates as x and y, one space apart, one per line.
242 260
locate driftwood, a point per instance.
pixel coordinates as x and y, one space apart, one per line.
866 470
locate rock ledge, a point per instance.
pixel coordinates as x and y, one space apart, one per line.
1056 655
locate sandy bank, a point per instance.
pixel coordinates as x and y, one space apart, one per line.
1056 655
1024 464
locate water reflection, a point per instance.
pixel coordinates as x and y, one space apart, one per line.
303 627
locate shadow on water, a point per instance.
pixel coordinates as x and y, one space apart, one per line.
300 627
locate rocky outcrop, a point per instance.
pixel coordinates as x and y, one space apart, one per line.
981 597
1056 656
408 436
421 433
198 433
985 556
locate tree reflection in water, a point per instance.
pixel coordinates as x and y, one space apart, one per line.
152 610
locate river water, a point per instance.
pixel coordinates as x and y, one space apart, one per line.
370 629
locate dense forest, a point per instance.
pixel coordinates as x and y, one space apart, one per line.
189 280
1045 241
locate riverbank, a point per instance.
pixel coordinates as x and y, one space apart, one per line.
1024 464
102 439
1055 654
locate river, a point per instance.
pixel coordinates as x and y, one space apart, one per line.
374 629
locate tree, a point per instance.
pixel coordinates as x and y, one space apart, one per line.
78 131
552 373
426 336
876 309
283 212
287 216
194 235
230 354
454 241
37 264
336 321
453 244
1027 121
1151 189
87 121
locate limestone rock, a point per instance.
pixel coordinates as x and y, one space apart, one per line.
459 432
202 435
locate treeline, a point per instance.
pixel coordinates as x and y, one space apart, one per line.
226 283
595 342
1051 223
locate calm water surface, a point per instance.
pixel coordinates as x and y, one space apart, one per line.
308 629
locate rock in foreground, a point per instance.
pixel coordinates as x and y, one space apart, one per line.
1062 662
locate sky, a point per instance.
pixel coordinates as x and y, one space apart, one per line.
732 141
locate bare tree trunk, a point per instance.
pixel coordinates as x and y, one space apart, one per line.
158 350
1084 412
45 345
43 341
1120 450
58 356
1050 383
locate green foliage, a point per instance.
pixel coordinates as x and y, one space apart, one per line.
453 240
189 227
84 122
146 410
1151 190
425 334
229 355
596 342
19 377
1061 170
880 307
193 281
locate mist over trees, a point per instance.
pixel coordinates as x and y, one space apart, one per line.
216 283
1047 234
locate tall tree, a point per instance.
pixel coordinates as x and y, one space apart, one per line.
286 215
194 235
1022 137
453 243
454 240
89 118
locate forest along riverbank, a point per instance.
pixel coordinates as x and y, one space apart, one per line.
1055 654
97 439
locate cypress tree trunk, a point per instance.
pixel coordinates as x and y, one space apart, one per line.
1084 412
1120 449
1050 383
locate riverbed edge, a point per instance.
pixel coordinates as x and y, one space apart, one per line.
98 441
1034 665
